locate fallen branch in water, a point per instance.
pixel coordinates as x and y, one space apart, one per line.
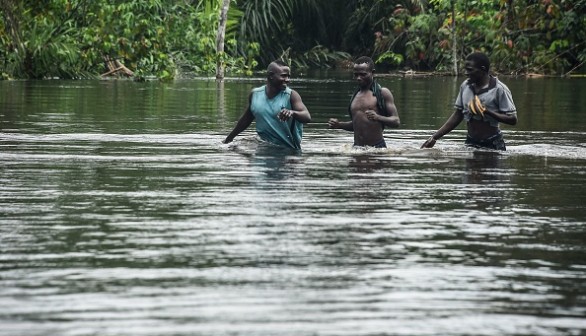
114 66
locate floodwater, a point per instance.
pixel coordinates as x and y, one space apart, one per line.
121 213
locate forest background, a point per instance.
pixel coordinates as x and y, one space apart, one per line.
166 39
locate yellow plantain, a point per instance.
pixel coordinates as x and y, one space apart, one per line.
479 105
471 107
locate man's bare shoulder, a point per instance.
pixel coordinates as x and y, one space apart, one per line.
386 91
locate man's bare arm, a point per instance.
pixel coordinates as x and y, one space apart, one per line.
392 120
242 124
453 121
509 119
345 125
298 110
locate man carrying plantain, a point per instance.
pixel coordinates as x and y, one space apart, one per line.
484 102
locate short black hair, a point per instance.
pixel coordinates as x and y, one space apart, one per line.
274 63
480 60
367 60
280 63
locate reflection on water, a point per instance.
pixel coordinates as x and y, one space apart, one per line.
277 163
486 167
122 217
365 163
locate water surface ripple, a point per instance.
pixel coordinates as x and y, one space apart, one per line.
130 224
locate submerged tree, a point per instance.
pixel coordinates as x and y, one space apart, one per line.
220 39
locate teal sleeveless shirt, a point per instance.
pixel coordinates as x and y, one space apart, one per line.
268 126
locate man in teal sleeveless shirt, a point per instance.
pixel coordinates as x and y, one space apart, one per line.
277 109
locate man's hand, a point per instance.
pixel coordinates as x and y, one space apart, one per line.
285 114
333 123
429 143
371 115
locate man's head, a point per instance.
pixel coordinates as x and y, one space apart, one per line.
363 71
480 60
277 67
365 60
477 66
278 74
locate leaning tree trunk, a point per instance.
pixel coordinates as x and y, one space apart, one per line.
220 40
454 42
10 9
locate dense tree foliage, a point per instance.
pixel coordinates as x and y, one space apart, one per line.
71 38
167 38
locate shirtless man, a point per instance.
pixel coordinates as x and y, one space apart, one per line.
484 102
371 109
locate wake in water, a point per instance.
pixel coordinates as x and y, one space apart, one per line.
408 143
400 143
549 150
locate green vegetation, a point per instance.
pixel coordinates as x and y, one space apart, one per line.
71 38
170 38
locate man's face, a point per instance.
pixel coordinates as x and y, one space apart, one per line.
473 72
280 77
362 74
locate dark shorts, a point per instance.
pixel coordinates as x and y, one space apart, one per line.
380 144
494 142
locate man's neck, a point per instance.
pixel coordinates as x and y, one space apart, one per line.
483 82
271 91
366 87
